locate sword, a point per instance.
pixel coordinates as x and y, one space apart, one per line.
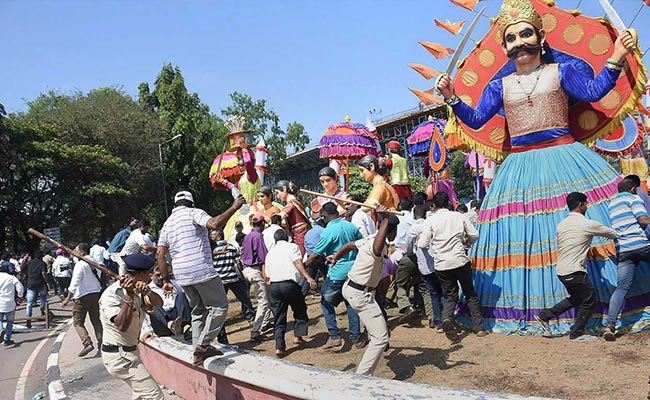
459 50
616 20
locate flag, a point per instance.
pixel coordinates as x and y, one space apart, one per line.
451 27
426 72
426 96
468 4
437 50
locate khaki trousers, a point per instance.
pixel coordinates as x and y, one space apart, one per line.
126 365
88 304
363 302
263 315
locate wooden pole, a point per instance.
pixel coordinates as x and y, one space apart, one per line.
357 203
347 174
90 261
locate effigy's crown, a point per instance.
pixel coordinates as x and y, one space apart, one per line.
515 11
235 124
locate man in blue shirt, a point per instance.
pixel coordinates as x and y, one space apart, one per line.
337 232
311 240
629 218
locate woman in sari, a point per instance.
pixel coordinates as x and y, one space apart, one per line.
294 214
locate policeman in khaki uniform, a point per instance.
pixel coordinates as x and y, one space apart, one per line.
122 311
359 288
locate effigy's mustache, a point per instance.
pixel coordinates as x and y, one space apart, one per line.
529 48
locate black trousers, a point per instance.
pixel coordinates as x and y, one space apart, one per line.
159 317
241 290
282 295
581 295
318 267
449 281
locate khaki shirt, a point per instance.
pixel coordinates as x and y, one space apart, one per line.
110 305
367 267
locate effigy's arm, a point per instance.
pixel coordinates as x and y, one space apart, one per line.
490 103
584 88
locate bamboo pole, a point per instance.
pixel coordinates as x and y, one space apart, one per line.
357 203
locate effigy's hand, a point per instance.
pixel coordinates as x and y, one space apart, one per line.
625 44
445 86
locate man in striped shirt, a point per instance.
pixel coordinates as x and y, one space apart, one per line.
629 218
185 236
224 258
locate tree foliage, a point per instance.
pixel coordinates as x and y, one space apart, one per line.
187 160
280 142
462 177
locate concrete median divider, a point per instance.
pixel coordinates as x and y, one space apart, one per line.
242 375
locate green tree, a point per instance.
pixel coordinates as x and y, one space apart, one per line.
109 119
461 176
46 182
358 186
188 159
280 142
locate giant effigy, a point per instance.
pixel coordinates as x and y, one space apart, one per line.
539 123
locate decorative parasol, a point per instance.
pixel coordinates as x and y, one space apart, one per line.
420 139
623 140
348 141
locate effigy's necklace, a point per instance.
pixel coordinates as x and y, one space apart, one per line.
530 93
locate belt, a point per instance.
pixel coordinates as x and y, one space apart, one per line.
255 266
358 286
109 348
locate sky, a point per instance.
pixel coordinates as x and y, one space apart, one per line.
313 61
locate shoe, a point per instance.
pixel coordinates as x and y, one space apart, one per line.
543 324
432 324
187 332
28 323
362 342
8 343
256 337
481 333
440 330
280 353
87 349
204 352
298 340
449 328
409 313
176 326
333 344
42 313
610 334
2 335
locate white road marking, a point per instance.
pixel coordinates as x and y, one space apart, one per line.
22 379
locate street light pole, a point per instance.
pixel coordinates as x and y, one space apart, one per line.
162 170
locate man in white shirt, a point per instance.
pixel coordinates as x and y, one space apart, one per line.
445 234
136 243
359 288
174 317
574 236
282 271
98 253
269 232
10 290
85 289
360 218
62 270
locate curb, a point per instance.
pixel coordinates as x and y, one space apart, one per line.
54 384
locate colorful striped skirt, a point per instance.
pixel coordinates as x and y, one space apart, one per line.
516 252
